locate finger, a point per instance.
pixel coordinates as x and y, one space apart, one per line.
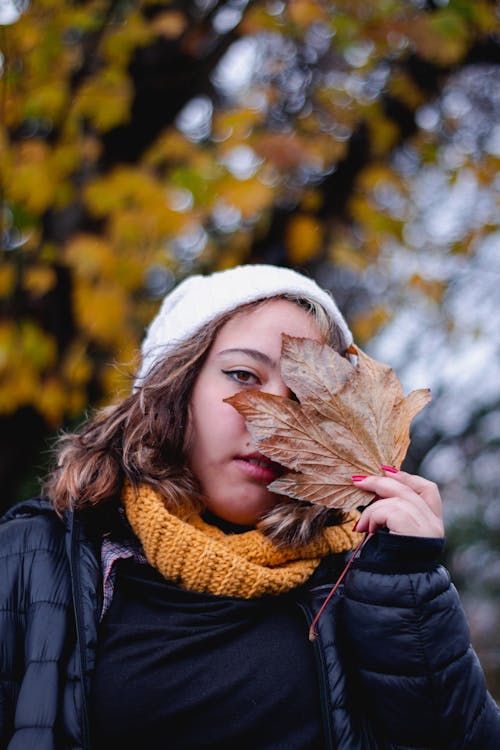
387 486
390 512
400 517
427 490
404 485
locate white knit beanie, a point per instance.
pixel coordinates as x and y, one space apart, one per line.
199 299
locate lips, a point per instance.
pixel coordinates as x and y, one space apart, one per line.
259 467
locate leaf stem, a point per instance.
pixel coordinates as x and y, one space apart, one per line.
312 630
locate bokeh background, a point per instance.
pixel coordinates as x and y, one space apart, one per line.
359 142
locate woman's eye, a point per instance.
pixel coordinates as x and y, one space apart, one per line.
243 377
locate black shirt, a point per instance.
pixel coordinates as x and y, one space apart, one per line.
186 671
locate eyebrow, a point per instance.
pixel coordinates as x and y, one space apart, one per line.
254 353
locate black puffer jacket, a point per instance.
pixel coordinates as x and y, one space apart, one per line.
394 659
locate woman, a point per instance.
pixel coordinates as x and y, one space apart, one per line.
160 595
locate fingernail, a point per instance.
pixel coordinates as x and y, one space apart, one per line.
355 525
391 469
357 478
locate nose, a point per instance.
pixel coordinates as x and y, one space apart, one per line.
278 387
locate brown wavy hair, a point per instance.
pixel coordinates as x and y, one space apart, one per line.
142 439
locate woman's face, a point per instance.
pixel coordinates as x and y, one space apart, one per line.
244 356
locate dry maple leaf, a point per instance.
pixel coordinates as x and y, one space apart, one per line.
349 419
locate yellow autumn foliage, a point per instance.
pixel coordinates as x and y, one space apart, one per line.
128 191
90 256
51 400
405 90
26 354
284 150
140 228
368 214
312 200
236 125
116 377
101 309
76 366
257 19
7 279
19 388
47 100
432 289
121 40
106 100
303 239
169 24
251 196
86 235
383 131
365 325
170 147
38 280
304 13
30 177
344 253
441 37
234 254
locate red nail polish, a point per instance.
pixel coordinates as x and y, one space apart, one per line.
357 478
391 469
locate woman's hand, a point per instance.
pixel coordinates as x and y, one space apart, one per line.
406 504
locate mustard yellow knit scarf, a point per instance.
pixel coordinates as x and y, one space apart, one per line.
201 557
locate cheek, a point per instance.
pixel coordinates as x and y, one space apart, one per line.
214 428
200 405
206 403
222 421
210 420
234 421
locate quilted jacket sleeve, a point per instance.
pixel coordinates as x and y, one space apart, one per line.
34 598
409 645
